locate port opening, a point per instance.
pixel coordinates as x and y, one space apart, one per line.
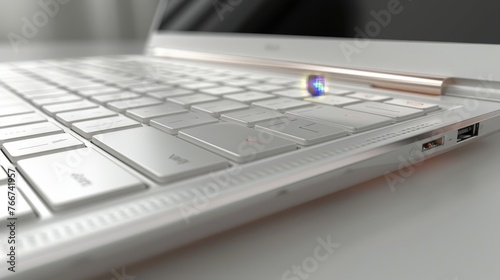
468 132
433 144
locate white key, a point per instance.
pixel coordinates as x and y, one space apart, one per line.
293 93
14 109
265 88
23 209
199 85
301 131
56 100
101 99
395 112
122 105
87 92
170 93
281 104
20 120
216 108
240 83
249 96
145 114
27 131
352 120
221 90
159 156
83 115
188 100
67 107
332 100
281 81
172 124
150 88
369 97
39 146
87 129
250 117
64 184
3 176
236 142
32 95
336 91
427 107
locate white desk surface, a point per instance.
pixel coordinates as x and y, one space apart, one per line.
442 223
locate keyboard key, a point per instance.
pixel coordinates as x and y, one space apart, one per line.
265 88
427 107
369 97
87 92
336 91
196 86
149 88
222 90
162 95
20 120
240 83
39 146
395 112
83 115
293 93
122 105
281 81
145 114
250 117
301 131
56 100
44 94
236 142
67 107
332 100
281 104
14 109
188 100
64 184
172 124
3 176
249 96
28 131
23 209
216 108
101 99
159 156
87 129
352 120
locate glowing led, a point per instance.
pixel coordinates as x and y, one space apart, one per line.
316 85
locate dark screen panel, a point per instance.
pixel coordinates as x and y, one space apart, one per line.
416 20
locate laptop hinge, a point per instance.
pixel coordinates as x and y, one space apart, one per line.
424 84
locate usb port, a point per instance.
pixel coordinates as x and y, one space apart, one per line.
468 132
433 144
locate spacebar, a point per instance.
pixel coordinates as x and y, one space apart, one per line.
161 157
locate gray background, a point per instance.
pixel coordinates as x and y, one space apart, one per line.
88 27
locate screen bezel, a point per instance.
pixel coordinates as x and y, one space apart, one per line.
463 60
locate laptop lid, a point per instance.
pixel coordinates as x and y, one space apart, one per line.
446 38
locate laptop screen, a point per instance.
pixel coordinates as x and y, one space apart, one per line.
422 20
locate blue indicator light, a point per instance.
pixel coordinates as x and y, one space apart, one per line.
316 85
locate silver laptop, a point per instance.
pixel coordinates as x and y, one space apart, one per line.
236 109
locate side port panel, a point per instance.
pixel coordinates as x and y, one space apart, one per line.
468 132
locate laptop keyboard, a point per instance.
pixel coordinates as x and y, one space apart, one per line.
168 120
